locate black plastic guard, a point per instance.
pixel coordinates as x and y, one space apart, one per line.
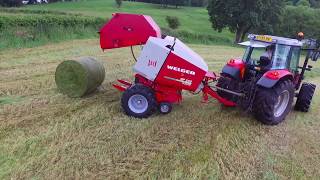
232 71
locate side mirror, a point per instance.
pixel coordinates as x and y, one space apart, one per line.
315 56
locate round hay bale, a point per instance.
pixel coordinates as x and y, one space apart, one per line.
77 78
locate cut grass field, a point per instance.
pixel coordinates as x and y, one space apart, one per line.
46 135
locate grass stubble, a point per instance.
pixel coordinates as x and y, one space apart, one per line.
46 135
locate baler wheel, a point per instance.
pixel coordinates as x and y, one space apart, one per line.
272 105
139 101
165 108
305 97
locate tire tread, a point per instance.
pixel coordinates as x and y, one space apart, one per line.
305 97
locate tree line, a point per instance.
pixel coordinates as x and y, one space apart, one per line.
176 3
276 17
164 3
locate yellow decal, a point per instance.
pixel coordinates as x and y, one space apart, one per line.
264 38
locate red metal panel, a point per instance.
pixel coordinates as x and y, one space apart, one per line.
163 93
238 63
125 30
168 94
179 73
120 87
125 82
277 74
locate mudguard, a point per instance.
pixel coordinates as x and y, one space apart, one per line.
235 68
270 78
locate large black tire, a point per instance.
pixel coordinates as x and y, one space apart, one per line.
305 97
139 101
272 105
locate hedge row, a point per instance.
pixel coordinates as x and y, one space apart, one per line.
36 11
9 21
191 37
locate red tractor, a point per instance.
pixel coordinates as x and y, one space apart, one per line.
264 84
268 77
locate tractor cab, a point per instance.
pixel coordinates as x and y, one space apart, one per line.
272 53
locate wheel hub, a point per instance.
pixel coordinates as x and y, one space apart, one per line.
282 103
138 103
164 108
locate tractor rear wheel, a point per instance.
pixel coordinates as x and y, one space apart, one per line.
272 105
305 97
138 101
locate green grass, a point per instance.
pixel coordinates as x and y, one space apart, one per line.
51 136
18 30
9 99
193 19
34 36
195 26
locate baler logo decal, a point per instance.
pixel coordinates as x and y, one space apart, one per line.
152 63
184 81
177 69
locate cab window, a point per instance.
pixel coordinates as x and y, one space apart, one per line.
280 58
294 63
252 55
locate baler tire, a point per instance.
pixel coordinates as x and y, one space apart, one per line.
167 105
147 95
266 102
305 97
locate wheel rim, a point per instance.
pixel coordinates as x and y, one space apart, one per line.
282 103
138 103
164 108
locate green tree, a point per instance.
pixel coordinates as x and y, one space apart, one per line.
173 22
303 3
119 3
299 19
242 16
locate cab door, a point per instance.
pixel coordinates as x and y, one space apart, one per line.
294 63
295 57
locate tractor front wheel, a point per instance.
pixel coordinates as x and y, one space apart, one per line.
272 105
305 97
138 101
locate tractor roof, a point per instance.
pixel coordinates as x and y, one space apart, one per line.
267 40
